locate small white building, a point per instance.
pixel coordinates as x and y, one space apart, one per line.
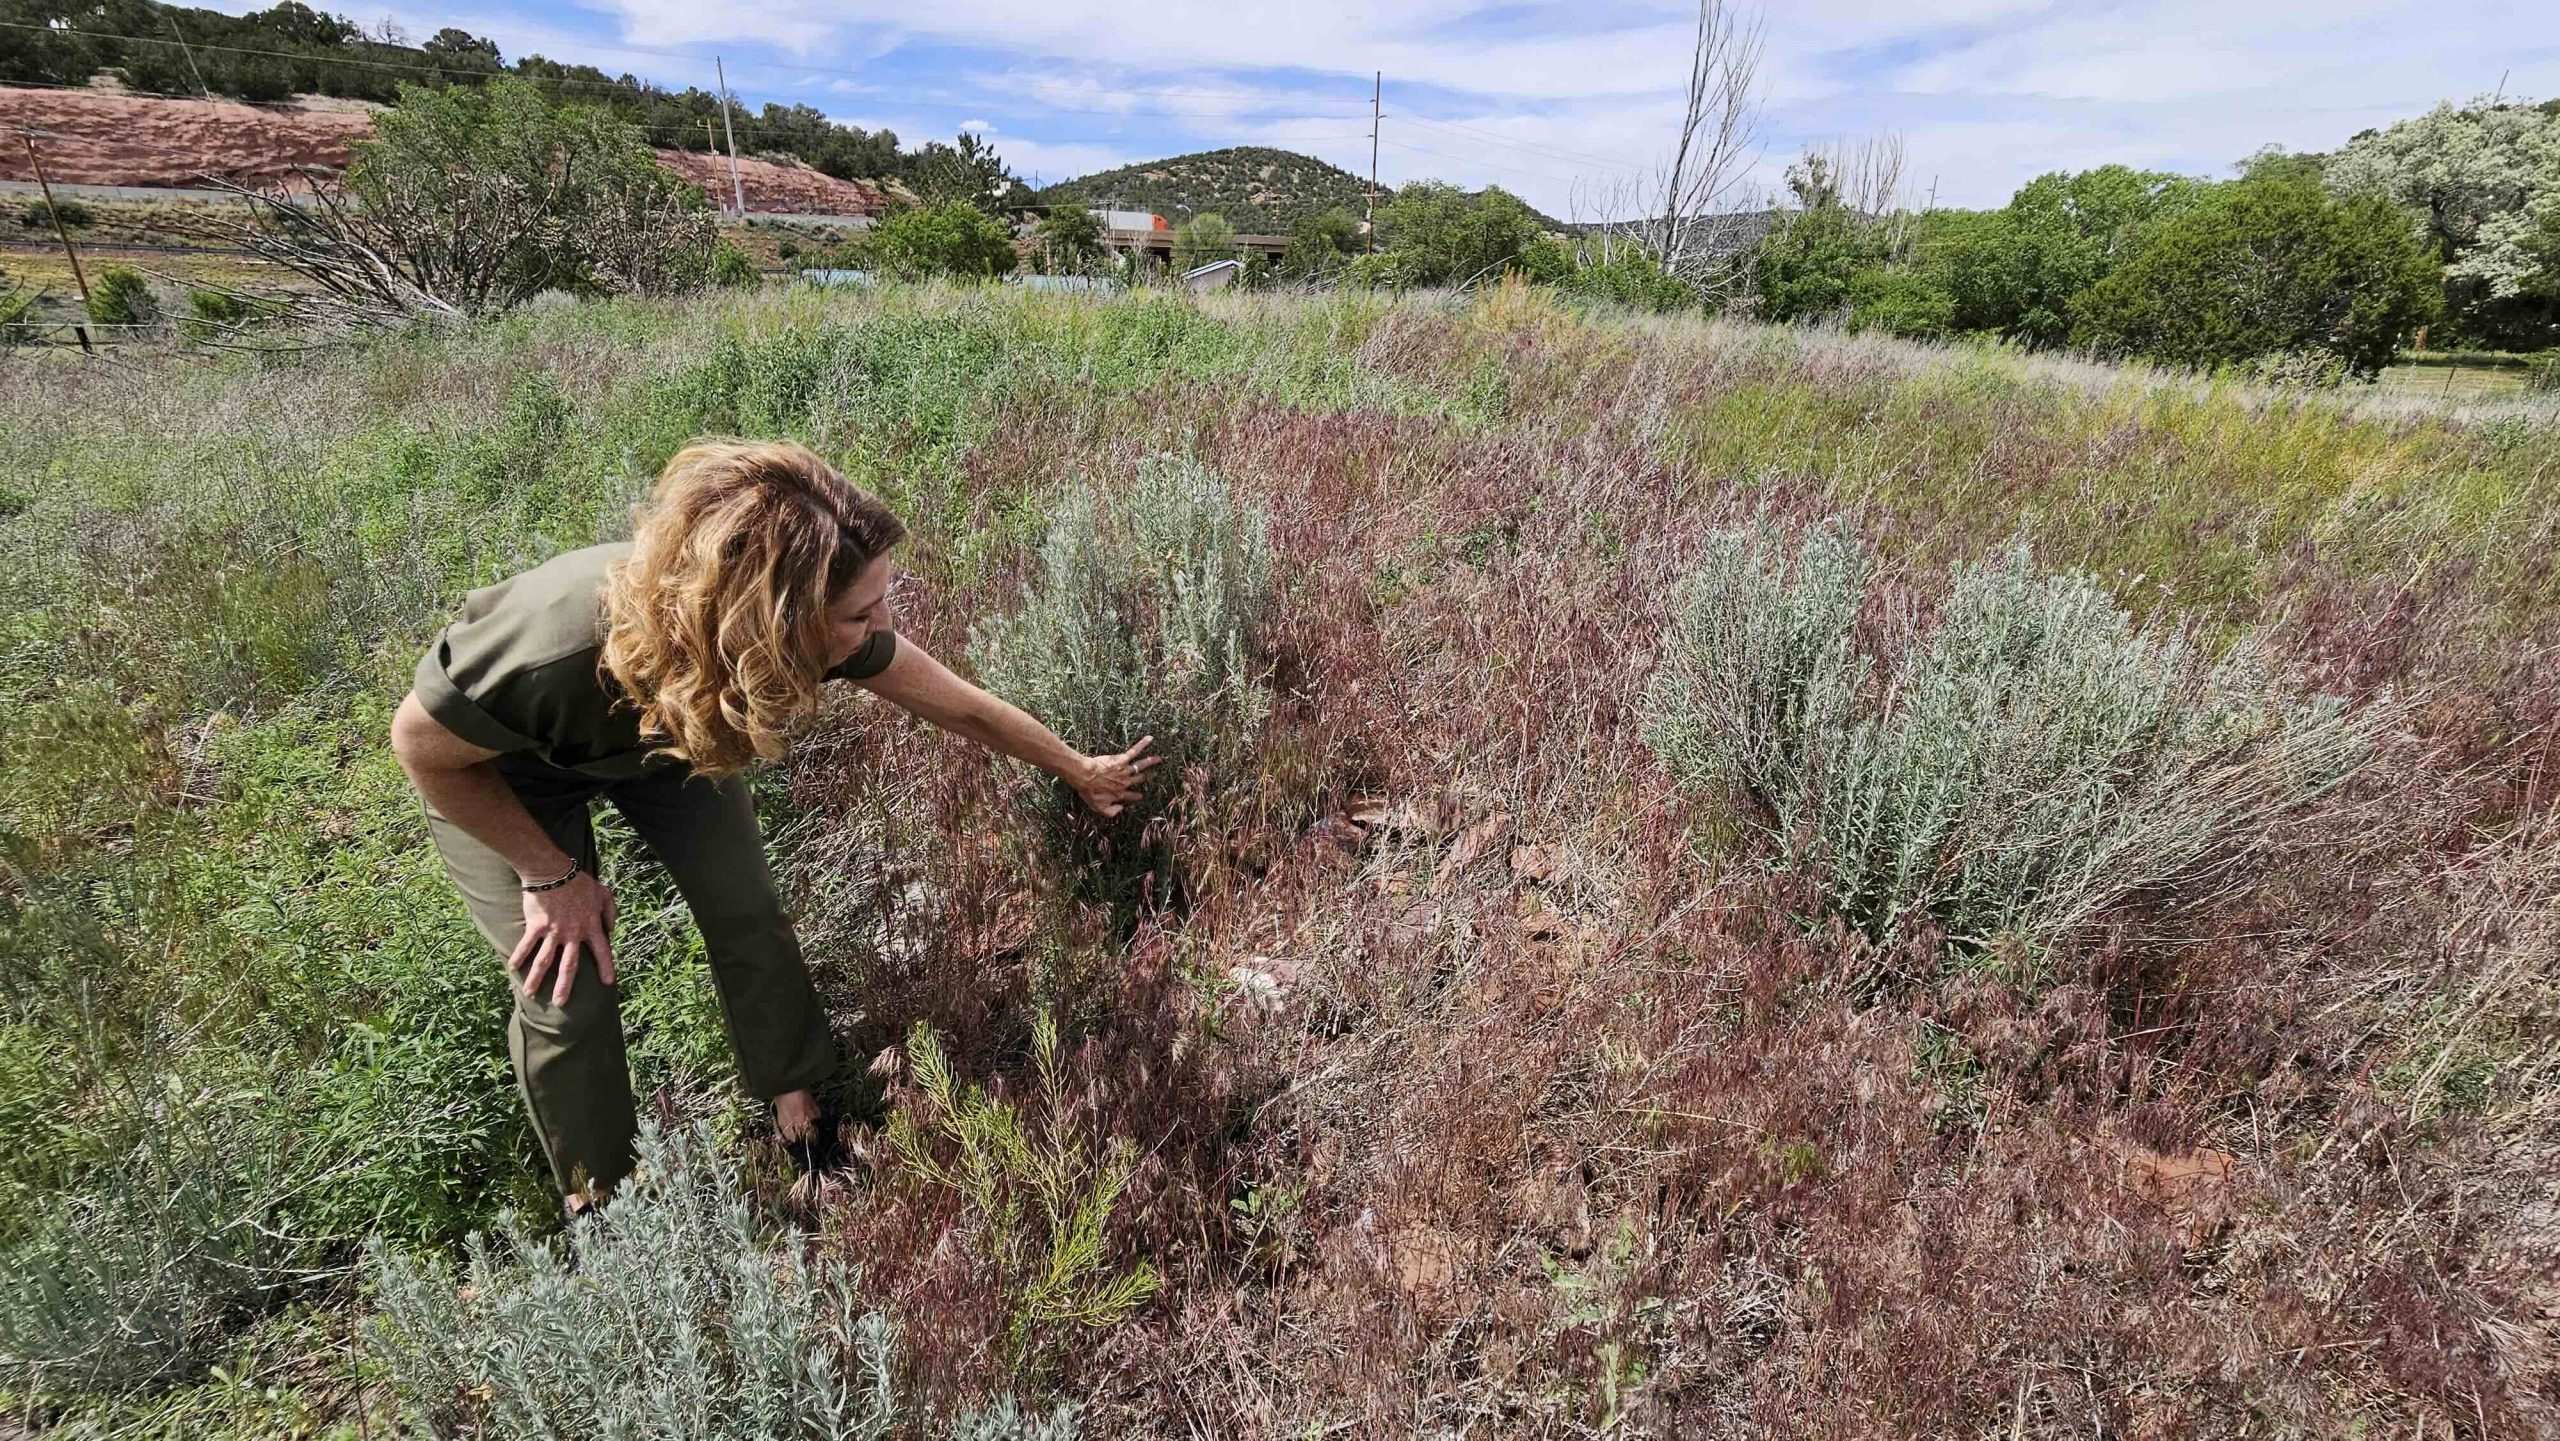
1216 275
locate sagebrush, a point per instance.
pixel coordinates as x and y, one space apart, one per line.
2013 770
1143 621
665 1314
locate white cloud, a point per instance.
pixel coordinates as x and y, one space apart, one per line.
981 127
1568 107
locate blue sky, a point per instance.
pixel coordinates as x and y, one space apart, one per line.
1568 104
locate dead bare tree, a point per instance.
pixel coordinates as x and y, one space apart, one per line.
1718 137
357 275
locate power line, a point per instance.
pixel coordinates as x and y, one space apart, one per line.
1487 164
1549 152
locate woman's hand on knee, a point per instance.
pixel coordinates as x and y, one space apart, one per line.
558 924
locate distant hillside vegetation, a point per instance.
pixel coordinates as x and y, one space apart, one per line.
289 49
1257 188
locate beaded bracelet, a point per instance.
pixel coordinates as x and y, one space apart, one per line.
564 878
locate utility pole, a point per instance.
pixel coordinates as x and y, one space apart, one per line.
737 187
189 51
78 276
1369 202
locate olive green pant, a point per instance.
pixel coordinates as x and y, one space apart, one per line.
569 1058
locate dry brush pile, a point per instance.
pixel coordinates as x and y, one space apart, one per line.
1718 882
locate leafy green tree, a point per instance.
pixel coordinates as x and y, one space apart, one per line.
1069 238
950 238
299 24
2485 179
45 55
470 199
853 153
1804 266
967 170
458 49
1206 238
1437 234
1319 243
2263 266
2017 272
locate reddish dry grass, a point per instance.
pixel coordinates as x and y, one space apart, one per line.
1561 1124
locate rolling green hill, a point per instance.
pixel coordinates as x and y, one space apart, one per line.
1255 187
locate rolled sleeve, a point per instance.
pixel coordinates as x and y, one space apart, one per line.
457 711
870 660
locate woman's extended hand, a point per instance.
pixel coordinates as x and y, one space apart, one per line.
557 924
1109 782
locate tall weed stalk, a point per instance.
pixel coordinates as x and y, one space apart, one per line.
1038 1198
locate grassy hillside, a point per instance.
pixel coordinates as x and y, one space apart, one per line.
1257 188
1478 1072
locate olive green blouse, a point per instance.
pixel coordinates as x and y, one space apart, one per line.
518 670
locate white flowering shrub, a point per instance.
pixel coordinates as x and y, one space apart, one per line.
2030 760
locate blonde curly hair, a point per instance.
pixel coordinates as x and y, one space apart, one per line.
716 623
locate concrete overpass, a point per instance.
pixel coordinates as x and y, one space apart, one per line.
1158 244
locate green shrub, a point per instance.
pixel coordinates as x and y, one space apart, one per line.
1040 1196
121 296
1603 270
1898 301
486 195
731 269
663 1315
75 214
214 316
137 1277
2030 760
1141 623
951 238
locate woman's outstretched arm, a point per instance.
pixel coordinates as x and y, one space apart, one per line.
918 683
